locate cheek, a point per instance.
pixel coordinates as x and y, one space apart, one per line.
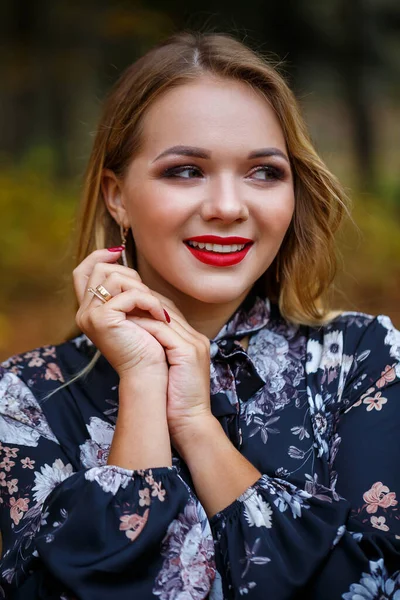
276 213
155 211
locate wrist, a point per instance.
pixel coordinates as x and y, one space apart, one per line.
195 433
220 473
141 438
148 392
149 380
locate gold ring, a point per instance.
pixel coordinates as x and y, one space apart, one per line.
103 292
98 294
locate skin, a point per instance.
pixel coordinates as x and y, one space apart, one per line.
229 120
164 367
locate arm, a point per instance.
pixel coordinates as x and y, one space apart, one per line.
91 532
271 535
142 418
207 451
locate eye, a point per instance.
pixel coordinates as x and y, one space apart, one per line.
267 173
183 172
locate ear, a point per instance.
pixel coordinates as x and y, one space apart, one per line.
111 187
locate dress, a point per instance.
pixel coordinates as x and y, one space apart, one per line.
315 409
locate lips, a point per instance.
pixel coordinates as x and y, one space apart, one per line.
217 259
216 239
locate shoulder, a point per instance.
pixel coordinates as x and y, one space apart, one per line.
354 329
21 418
48 363
39 362
25 379
38 372
360 332
354 352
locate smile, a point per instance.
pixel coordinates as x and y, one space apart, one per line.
224 248
219 255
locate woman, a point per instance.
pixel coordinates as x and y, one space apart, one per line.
213 430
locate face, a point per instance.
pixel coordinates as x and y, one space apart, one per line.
213 162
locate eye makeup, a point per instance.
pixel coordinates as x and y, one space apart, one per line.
271 172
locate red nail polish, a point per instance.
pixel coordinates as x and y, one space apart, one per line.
167 316
116 249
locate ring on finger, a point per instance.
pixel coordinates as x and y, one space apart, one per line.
101 293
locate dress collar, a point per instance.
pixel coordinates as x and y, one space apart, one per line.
234 377
252 315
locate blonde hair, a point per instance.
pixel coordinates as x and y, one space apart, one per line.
301 275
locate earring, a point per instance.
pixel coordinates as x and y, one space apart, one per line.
124 232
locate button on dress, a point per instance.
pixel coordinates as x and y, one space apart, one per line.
315 409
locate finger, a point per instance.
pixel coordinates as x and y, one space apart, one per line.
126 302
178 318
117 283
114 280
168 302
83 271
175 312
102 270
188 333
168 337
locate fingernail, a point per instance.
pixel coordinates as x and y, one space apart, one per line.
167 316
116 249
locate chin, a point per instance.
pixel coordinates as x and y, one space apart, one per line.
214 292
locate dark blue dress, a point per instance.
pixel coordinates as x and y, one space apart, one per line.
316 410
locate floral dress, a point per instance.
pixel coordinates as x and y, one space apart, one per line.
315 409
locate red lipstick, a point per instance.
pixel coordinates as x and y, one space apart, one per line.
219 259
216 239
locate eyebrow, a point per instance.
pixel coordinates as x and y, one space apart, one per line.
263 152
201 153
184 151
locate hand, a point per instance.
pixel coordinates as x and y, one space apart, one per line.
110 325
188 355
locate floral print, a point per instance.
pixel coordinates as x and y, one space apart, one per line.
18 507
188 568
316 410
379 496
133 524
23 421
94 452
387 376
109 478
41 358
48 478
373 399
257 512
375 585
379 523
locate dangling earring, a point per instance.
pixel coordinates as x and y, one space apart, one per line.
124 233
278 268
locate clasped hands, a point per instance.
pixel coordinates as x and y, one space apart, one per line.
132 332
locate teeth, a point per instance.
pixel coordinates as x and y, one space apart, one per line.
217 247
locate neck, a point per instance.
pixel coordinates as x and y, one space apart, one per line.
205 317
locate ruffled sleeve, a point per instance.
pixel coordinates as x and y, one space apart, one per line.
278 540
100 532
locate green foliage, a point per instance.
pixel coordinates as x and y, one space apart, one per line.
371 246
37 216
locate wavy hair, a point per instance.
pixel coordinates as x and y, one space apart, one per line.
300 277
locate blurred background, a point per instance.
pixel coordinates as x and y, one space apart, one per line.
59 59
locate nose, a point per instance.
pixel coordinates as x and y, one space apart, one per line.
224 200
